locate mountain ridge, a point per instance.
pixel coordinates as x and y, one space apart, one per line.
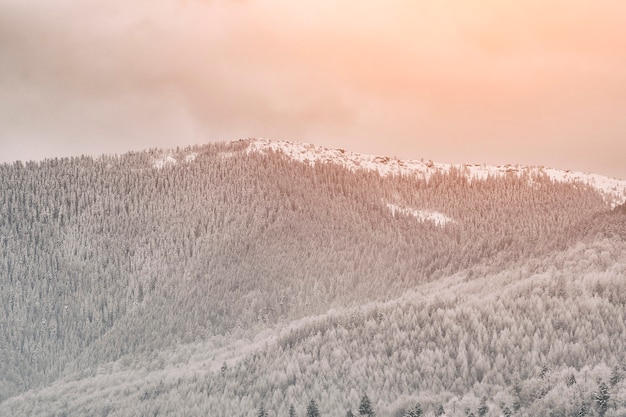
613 189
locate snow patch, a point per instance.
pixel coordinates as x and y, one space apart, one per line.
436 217
228 155
172 158
163 162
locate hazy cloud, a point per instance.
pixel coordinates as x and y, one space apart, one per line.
492 81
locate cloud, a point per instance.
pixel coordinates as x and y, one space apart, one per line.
114 70
453 79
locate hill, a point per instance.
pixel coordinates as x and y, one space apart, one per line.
219 277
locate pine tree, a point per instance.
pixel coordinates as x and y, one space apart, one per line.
615 376
292 411
312 410
602 399
440 411
365 408
482 408
262 412
506 411
416 411
571 380
349 413
517 404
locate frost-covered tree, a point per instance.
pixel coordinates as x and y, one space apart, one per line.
312 410
602 399
483 408
416 411
365 407
571 380
616 376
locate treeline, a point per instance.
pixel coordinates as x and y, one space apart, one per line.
365 409
596 403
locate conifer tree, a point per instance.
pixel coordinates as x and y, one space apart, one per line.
602 399
349 413
482 408
416 411
312 410
571 380
365 408
262 412
517 404
292 411
615 376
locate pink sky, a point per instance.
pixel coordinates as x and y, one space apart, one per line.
531 82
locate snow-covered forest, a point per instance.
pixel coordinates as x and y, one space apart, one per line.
217 281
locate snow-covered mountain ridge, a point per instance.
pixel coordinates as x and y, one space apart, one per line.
613 190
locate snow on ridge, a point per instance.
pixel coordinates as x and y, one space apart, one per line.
167 159
436 217
613 190
163 162
353 161
191 157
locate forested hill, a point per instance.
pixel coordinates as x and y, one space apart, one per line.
120 259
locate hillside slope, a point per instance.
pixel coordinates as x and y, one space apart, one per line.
537 342
120 260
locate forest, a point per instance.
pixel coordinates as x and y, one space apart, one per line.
226 282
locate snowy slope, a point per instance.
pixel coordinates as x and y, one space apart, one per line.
613 190
435 217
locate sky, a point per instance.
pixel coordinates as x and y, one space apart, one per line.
535 82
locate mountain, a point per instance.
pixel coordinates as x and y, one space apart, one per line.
222 277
